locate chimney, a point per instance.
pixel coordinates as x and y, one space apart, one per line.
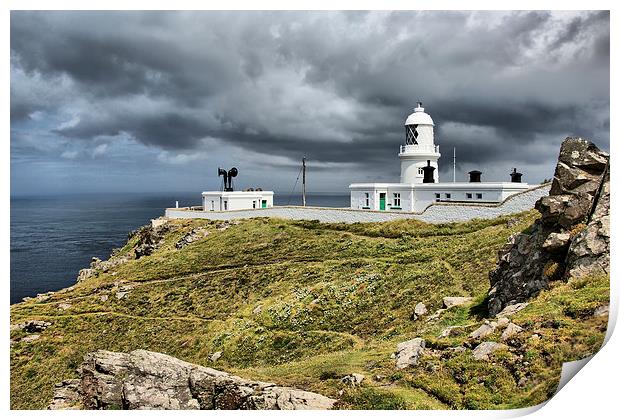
515 176
429 171
474 176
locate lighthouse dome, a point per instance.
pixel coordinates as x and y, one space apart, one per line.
419 117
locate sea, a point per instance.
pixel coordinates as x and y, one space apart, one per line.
53 237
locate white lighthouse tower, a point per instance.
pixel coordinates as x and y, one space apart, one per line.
419 185
419 147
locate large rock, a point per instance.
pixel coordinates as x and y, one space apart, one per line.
450 301
549 249
419 310
147 380
484 350
487 328
511 329
408 353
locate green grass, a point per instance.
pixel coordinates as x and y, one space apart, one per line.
302 304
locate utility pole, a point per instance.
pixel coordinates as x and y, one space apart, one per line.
454 165
303 182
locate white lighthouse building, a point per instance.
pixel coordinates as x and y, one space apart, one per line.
419 184
419 147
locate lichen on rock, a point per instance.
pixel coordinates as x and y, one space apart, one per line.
148 380
549 249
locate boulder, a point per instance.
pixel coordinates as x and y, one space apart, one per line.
512 309
408 353
353 380
511 329
450 301
579 195
485 329
216 356
419 310
147 380
484 350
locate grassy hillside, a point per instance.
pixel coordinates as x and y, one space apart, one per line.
305 303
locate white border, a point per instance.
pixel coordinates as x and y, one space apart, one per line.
593 394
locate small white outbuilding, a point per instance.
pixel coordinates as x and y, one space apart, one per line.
419 184
229 199
236 200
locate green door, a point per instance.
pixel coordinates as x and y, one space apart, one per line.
264 204
381 201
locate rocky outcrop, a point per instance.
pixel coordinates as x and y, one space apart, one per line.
589 250
147 380
572 235
149 239
192 236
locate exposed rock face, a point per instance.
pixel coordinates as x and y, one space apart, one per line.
589 250
66 395
408 353
148 380
149 239
97 265
192 236
572 235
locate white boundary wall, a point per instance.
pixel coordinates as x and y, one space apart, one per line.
435 213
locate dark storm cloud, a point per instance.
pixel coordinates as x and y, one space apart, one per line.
332 86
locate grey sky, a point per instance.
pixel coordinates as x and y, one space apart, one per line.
155 101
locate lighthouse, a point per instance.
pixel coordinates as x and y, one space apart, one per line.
419 149
419 185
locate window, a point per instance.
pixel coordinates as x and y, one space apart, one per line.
479 196
396 200
448 196
254 204
367 195
225 205
212 205
411 132
469 196
420 171
437 196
